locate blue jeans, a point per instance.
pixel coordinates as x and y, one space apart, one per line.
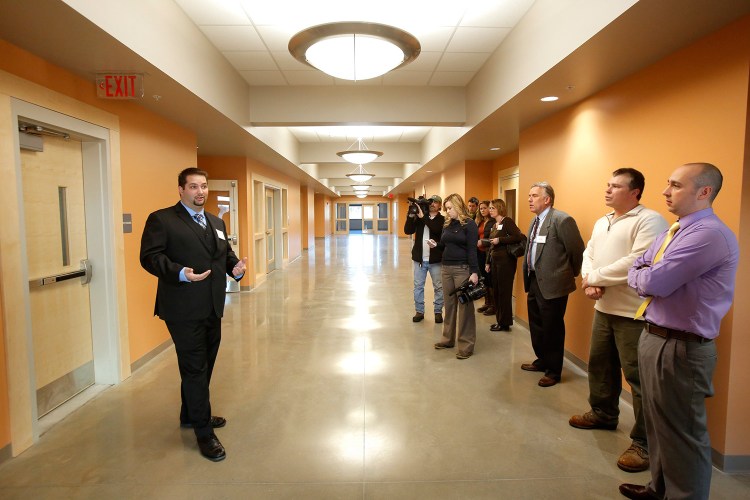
420 277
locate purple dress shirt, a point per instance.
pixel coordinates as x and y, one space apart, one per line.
693 285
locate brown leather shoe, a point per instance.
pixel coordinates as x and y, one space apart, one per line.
634 459
636 491
547 381
441 345
531 367
464 354
491 311
589 421
215 422
211 448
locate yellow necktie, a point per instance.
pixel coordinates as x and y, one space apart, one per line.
670 234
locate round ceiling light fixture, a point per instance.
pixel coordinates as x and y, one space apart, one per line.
360 155
354 50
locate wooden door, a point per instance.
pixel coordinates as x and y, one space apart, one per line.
56 245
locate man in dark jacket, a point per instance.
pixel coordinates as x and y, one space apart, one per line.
427 259
187 249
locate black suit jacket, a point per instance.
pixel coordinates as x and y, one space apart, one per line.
171 241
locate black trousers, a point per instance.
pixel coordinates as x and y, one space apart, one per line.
547 325
503 274
197 344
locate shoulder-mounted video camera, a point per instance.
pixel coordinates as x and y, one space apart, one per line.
468 291
420 202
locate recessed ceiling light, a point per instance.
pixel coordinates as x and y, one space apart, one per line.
495 149
549 98
428 171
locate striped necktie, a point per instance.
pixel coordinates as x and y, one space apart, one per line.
534 229
670 234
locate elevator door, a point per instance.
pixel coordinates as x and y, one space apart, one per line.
55 247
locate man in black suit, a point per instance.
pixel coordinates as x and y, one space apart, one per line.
553 260
187 249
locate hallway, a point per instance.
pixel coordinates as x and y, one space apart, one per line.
330 391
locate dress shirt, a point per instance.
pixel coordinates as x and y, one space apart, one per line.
192 216
693 285
532 257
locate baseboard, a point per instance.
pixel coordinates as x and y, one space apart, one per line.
731 464
5 453
150 355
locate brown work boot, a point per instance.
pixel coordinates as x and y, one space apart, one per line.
634 459
589 421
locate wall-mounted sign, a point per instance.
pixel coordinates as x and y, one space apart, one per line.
119 85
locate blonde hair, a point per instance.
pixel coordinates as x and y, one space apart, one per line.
459 206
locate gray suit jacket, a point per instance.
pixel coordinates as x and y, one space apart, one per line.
559 258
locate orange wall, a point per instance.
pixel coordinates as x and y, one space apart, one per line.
323 215
691 106
153 152
307 217
478 180
4 401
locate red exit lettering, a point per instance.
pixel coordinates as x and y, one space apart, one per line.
119 86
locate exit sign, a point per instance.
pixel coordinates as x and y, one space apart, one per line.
119 85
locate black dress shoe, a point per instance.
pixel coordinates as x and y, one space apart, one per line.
211 448
531 367
215 422
496 327
636 491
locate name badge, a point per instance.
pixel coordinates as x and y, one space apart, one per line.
220 234
541 239
500 227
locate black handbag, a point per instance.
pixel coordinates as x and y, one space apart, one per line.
517 249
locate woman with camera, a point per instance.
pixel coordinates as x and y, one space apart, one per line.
501 264
460 267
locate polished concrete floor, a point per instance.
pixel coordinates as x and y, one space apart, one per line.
331 392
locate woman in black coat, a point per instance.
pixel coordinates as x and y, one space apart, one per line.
501 264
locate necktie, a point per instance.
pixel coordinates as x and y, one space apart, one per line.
534 229
200 220
670 234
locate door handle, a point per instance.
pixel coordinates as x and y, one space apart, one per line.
84 273
268 232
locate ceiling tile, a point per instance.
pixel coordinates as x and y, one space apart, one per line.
425 61
251 60
477 39
311 77
262 78
276 38
233 37
214 12
462 61
504 14
451 78
407 78
434 39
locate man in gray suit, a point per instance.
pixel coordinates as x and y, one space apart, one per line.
552 262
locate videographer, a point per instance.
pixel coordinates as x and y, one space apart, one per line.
426 259
459 243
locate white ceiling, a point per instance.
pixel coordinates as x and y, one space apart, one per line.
456 37
223 71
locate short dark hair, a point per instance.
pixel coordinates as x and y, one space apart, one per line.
474 199
637 181
710 175
182 178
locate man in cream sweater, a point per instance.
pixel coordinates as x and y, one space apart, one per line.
618 239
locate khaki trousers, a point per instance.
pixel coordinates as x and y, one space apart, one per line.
460 323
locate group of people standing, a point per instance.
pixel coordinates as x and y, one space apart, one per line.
456 251
660 293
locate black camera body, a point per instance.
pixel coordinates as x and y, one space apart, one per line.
422 202
468 291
